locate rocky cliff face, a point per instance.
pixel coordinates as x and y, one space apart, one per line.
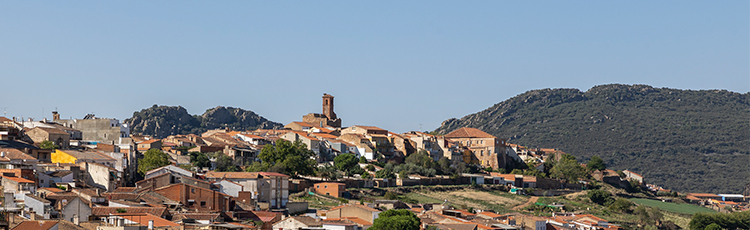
681 139
162 121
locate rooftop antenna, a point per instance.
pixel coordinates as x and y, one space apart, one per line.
420 127
5 111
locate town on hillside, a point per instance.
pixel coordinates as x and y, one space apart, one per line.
93 173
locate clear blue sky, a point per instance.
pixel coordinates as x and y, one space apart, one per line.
392 64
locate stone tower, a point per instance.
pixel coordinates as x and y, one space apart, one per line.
327 118
328 106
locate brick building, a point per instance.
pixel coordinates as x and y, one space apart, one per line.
330 189
196 198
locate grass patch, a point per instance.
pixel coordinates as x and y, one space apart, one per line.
422 199
672 207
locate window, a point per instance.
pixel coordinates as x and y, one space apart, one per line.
192 190
203 204
325 186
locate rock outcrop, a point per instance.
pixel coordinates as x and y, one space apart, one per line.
162 121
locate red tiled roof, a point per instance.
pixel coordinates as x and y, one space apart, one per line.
51 130
145 218
106 211
232 175
703 195
18 179
490 214
125 190
14 154
354 205
325 135
370 127
36 225
252 136
466 132
148 141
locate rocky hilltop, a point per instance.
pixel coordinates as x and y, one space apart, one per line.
681 139
162 121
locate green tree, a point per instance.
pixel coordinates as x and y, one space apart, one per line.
385 173
713 226
328 172
48 145
289 158
596 163
621 205
152 159
599 196
347 163
199 159
225 163
256 167
396 219
390 196
568 169
362 159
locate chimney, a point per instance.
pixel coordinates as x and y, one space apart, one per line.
151 224
76 221
55 116
32 215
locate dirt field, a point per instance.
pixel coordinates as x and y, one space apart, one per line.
477 199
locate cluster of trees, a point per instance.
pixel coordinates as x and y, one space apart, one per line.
421 163
290 158
401 219
152 159
605 198
567 168
731 221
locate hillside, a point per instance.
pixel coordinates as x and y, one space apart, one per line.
684 140
162 121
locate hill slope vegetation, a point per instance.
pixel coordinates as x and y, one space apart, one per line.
162 121
681 139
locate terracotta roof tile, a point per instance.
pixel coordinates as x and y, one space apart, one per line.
14 154
466 132
106 211
145 218
36 225
17 179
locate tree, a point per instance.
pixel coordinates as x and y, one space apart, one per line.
346 162
225 163
385 173
256 167
328 172
48 145
199 159
362 159
390 196
621 205
396 219
713 226
568 169
152 159
289 158
596 163
599 196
